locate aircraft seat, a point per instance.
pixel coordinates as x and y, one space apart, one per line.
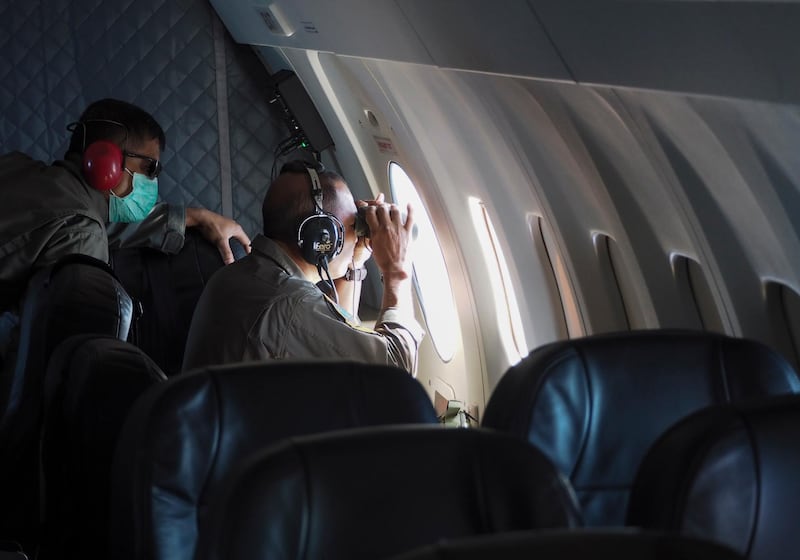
728 473
167 287
79 294
90 386
586 544
182 438
378 492
594 405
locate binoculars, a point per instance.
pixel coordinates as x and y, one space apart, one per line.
362 228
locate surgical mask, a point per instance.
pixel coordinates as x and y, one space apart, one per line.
137 204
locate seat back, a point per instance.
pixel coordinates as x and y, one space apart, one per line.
79 294
595 405
373 493
90 385
167 288
586 544
181 439
730 474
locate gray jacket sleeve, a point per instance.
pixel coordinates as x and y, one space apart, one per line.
163 229
307 326
403 335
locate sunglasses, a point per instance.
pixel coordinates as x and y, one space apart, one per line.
153 165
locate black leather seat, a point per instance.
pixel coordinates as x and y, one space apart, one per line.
181 439
374 493
11 551
90 385
78 294
167 288
729 473
594 405
586 544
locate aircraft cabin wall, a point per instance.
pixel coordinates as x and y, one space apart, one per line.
659 209
664 185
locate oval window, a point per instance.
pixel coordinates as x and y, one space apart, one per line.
509 322
431 280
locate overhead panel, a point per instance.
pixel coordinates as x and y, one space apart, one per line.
369 29
498 37
737 48
501 37
747 49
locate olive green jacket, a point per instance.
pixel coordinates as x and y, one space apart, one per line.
262 307
48 211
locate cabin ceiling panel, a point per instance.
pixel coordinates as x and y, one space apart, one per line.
498 37
373 29
743 48
502 37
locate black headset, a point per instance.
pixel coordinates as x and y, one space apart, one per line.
320 235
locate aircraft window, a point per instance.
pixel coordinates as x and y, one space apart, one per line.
509 321
693 286
430 273
783 311
618 319
546 249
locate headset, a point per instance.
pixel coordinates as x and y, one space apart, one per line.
320 235
103 160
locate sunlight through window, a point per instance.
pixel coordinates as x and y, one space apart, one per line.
430 273
509 322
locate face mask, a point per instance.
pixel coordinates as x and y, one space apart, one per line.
137 204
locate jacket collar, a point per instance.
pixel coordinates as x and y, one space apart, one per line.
268 248
72 162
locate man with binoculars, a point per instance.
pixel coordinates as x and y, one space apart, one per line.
295 296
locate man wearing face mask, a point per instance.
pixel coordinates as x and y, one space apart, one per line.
102 193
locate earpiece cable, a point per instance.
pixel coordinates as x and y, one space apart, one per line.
322 264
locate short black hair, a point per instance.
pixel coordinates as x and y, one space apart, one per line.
115 120
282 220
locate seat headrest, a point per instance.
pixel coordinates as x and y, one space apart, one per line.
184 437
727 473
372 493
78 258
594 405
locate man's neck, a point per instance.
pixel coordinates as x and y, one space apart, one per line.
309 270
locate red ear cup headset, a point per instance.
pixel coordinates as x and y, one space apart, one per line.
102 165
321 235
103 161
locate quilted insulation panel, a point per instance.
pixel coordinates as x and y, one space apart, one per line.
171 57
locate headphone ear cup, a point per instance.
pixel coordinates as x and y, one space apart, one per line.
319 236
103 165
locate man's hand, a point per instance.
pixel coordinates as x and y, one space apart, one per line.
218 230
390 238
